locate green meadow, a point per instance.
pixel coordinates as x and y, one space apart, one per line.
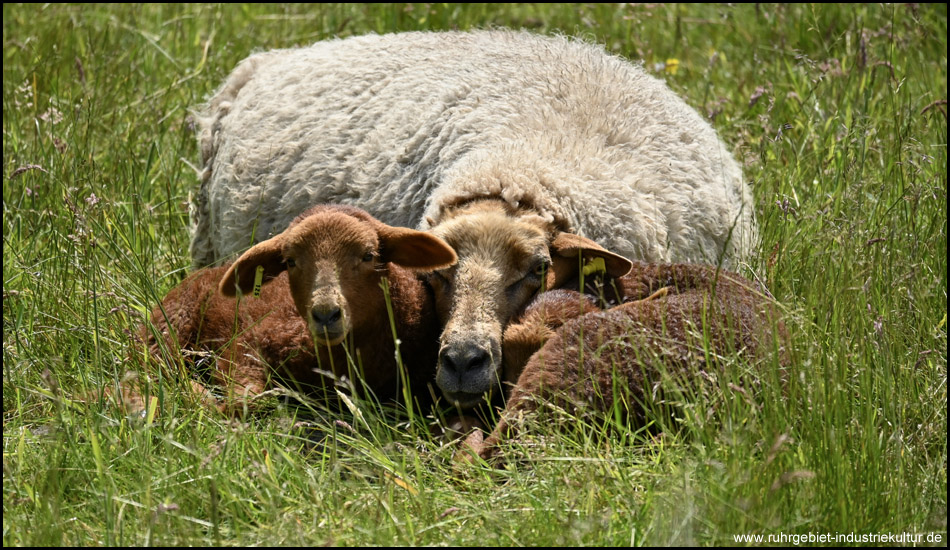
838 114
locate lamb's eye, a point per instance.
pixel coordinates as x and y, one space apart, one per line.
368 257
537 271
290 262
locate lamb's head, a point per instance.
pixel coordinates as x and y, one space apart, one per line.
505 256
335 257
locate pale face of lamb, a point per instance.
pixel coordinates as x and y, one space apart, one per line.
502 262
505 258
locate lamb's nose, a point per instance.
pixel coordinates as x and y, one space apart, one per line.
462 359
326 317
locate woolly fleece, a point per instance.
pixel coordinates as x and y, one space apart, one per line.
408 125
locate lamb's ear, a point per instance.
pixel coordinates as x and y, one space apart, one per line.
243 273
414 249
569 252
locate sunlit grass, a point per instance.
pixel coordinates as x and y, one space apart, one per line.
838 113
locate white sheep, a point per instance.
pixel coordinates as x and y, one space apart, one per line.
407 125
508 145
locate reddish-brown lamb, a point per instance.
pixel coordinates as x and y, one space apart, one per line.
321 308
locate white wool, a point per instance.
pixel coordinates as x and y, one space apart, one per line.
406 125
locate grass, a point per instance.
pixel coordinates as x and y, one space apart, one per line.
838 113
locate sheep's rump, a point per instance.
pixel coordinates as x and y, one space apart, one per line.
406 125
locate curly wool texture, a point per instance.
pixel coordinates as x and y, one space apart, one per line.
676 328
409 125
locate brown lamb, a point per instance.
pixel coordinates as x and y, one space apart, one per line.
321 308
676 317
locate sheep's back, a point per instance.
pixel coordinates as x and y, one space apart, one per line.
403 125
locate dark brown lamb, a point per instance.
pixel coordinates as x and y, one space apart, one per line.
676 321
